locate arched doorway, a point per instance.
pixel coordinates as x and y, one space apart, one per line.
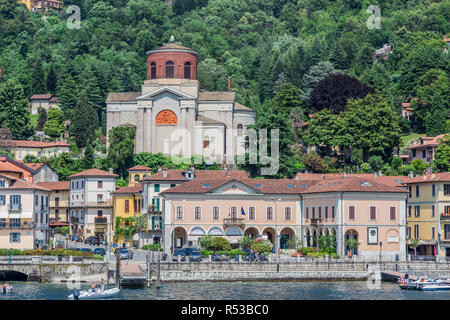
11 275
252 232
180 237
287 234
351 234
270 233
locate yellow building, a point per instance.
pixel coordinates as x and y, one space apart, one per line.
127 203
428 213
59 203
138 173
22 148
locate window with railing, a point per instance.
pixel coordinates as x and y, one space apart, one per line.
14 237
320 212
14 223
2 200
447 231
2 223
446 189
15 202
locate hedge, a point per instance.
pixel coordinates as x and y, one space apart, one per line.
152 247
63 252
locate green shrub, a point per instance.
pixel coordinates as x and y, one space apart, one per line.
152 247
234 252
205 253
219 243
307 250
98 257
262 247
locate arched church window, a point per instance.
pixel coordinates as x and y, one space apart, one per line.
152 70
239 129
170 69
187 70
205 142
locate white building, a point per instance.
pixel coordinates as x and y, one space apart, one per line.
91 203
24 214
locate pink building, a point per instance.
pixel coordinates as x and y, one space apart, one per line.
365 209
424 148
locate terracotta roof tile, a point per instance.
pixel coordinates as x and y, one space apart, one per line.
440 176
139 168
93 173
427 142
37 144
41 96
177 175
60 185
238 106
265 186
21 184
353 184
126 190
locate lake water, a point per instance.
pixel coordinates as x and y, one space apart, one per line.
338 290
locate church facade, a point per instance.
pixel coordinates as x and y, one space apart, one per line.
174 116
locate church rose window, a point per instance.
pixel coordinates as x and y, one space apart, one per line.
169 69
166 117
187 70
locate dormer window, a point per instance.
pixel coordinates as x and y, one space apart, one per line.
170 68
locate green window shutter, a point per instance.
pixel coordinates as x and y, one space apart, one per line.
157 204
156 187
153 223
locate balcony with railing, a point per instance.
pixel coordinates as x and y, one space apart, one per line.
316 221
154 210
22 224
100 220
15 208
74 220
234 222
445 216
92 204
57 221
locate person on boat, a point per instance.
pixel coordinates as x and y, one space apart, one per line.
406 279
102 286
93 287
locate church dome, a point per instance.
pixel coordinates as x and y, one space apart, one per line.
172 60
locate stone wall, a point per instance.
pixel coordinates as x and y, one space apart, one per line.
294 271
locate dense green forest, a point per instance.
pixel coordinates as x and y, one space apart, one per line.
287 59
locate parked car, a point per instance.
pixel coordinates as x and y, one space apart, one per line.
85 250
179 253
99 251
125 253
195 256
92 241
188 251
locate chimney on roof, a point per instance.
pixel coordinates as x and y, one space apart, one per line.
410 175
345 174
159 169
111 170
164 172
323 177
229 84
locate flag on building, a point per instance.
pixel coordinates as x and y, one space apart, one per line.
242 211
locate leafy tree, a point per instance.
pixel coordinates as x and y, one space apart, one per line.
121 149
441 161
219 244
5 138
372 126
287 98
376 163
153 160
316 73
14 110
432 101
42 119
54 126
245 242
333 92
414 243
314 163
29 158
262 247
205 241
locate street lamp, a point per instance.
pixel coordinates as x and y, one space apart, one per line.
277 242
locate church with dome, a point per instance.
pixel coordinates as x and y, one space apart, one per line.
174 116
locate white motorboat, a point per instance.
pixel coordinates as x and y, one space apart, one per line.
97 294
433 287
6 288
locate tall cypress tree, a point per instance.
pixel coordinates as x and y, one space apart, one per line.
38 84
42 119
67 94
83 123
51 79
